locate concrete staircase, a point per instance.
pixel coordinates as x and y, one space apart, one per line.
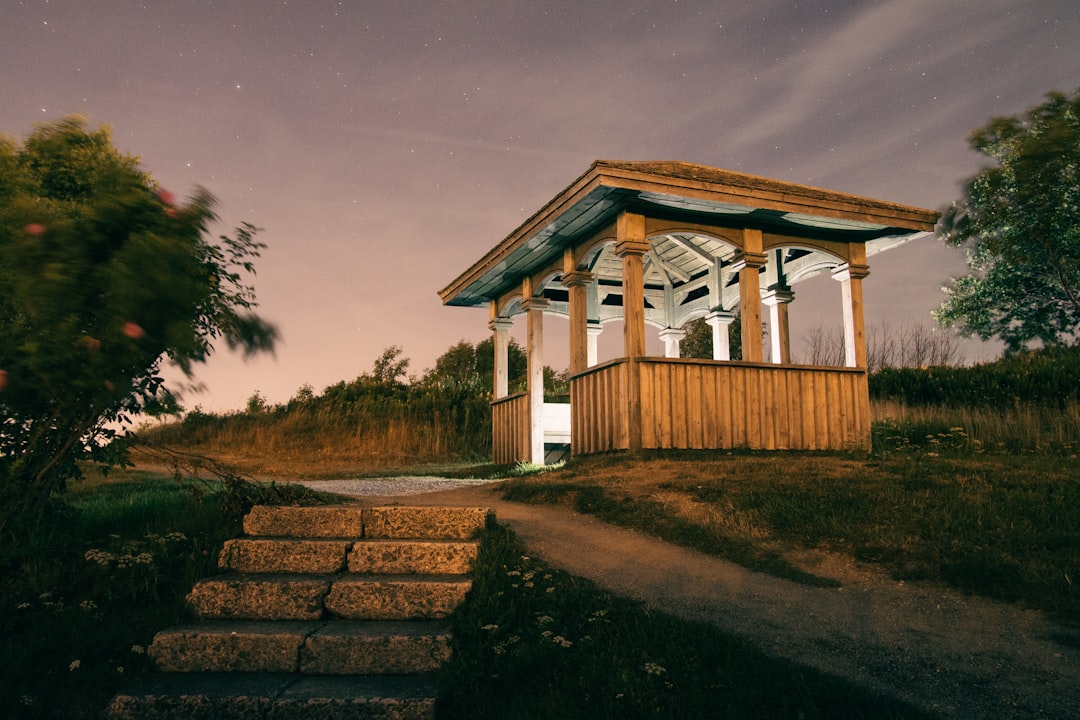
328 612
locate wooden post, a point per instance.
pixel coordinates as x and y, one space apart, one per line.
747 262
534 312
577 282
631 246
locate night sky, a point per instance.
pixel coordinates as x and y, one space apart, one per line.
384 146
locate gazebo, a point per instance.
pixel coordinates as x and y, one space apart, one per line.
665 243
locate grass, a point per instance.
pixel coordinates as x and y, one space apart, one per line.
999 525
94 584
534 642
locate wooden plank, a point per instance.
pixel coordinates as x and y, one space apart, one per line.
821 413
836 410
695 382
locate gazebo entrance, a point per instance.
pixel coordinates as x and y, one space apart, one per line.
664 244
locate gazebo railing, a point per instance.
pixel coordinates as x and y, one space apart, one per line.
510 429
702 404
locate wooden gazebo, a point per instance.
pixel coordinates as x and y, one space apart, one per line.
665 243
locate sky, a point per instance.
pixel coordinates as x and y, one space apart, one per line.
383 147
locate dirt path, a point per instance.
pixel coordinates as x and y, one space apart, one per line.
957 656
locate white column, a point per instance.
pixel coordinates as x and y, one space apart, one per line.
501 328
777 301
671 338
850 278
534 312
720 321
594 330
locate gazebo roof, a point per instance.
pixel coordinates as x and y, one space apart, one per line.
695 193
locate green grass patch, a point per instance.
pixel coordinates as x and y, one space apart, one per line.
533 642
84 596
1002 526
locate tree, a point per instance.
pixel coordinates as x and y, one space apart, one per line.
103 277
1020 223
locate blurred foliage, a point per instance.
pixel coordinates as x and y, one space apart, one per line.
1020 223
104 277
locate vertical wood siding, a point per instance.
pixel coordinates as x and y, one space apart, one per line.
598 409
510 429
695 404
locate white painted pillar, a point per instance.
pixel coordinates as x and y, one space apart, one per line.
719 321
671 338
594 330
501 327
534 312
850 278
777 300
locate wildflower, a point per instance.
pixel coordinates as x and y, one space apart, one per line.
550 589
529 584
35 229
489 627
654 669
88 605
547 633
27 700
132 330
120 669
74 665
561 641
545 619
138 649
23 606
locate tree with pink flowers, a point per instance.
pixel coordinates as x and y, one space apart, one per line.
104 278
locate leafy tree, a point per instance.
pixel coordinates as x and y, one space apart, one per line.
1020 222
103 278
468 363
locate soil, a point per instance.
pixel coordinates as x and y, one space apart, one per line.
954 655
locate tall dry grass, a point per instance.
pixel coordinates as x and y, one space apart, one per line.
1019 427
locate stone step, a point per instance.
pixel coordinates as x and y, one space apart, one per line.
311 597
394 597
266 696
260 597
422 557
314 648
376 648
284 555
354 521
290 555
327 521
424 523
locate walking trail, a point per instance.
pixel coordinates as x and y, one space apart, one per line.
955 655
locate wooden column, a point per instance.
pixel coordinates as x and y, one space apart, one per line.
501 327
577 282
777 301
747 262
534 313
850 276
631 246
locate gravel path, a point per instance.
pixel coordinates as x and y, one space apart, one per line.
954 655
